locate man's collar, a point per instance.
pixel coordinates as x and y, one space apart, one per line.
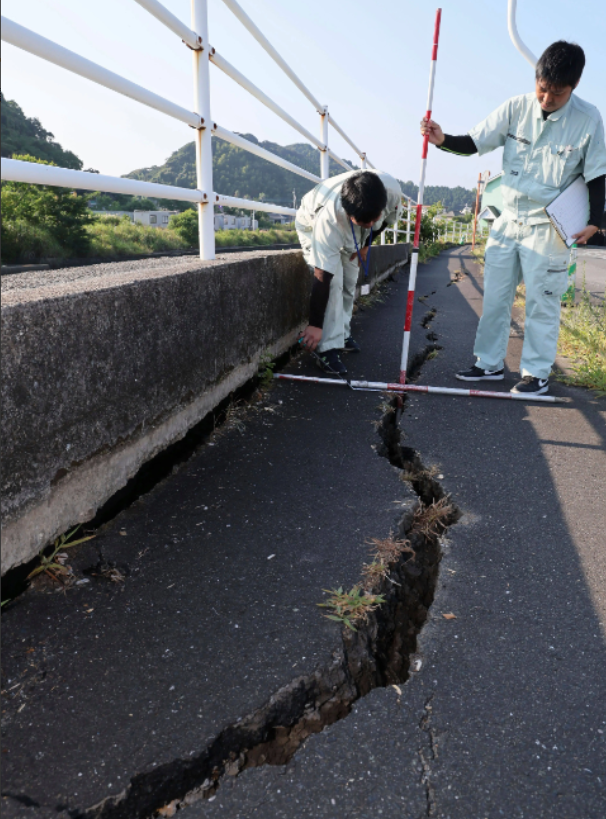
555 115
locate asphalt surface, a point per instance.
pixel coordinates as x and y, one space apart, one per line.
225 562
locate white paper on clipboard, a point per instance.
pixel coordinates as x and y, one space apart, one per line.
569 211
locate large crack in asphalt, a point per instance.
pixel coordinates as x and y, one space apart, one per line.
377 654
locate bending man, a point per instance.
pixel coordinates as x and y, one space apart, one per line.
335 221
550 138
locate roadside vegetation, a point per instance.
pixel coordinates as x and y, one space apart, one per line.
583 341
41 222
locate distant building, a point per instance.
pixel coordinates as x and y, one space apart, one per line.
280 218
128 213
466 210
227 221
154 218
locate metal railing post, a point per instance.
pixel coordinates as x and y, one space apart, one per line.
364 162
204 151
324 157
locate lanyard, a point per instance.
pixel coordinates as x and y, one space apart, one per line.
364 266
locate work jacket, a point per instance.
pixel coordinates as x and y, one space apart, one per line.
322 218
541 156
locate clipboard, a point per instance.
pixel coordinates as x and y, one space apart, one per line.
569 211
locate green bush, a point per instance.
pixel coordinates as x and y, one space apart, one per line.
186 226
57 212
255 238
25 243
117 235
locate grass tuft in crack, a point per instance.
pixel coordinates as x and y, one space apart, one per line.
53 564
432 519
351 606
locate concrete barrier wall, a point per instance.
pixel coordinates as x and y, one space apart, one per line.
105 366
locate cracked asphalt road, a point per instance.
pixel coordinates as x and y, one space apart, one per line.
516 683
505 715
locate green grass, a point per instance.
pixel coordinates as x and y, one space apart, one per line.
583 341
255 238
118 236
115 236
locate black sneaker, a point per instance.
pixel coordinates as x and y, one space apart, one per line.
351 346
531 385
330 362
478 374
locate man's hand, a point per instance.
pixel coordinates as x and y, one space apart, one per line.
363 254
434 133
584 235
311 337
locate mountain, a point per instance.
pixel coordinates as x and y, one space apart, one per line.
239 173
451 198
24 135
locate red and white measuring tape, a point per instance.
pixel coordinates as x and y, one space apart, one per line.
415 250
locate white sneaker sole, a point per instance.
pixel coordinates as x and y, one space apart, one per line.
540 391
481 377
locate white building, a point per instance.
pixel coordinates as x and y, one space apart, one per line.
154 218
227 221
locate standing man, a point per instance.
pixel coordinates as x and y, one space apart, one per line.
550 138
337 221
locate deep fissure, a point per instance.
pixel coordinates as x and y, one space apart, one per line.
376 655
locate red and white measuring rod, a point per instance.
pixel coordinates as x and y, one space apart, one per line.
415 251
380 386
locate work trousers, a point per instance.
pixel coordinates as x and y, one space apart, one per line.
536 255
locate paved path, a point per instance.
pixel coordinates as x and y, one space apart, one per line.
503 714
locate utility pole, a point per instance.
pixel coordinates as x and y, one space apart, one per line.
475 216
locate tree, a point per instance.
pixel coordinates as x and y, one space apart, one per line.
59 211
186 225
25 135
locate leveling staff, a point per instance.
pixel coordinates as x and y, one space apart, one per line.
336 223
550 138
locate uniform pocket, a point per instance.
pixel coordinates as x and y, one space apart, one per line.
556 275
553 162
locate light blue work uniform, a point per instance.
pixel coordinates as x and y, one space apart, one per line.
541 157
325 234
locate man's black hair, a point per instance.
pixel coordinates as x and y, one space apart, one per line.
561 64
363 196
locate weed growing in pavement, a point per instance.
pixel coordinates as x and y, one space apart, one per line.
54 564
432 354
389 549
373 573
351 606
384 553
376 296
431 520
232 420
266 370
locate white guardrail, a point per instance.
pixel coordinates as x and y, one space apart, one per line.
204 196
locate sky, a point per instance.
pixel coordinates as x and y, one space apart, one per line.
368 63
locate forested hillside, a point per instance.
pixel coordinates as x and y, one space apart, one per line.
25 135
239 173
236 172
